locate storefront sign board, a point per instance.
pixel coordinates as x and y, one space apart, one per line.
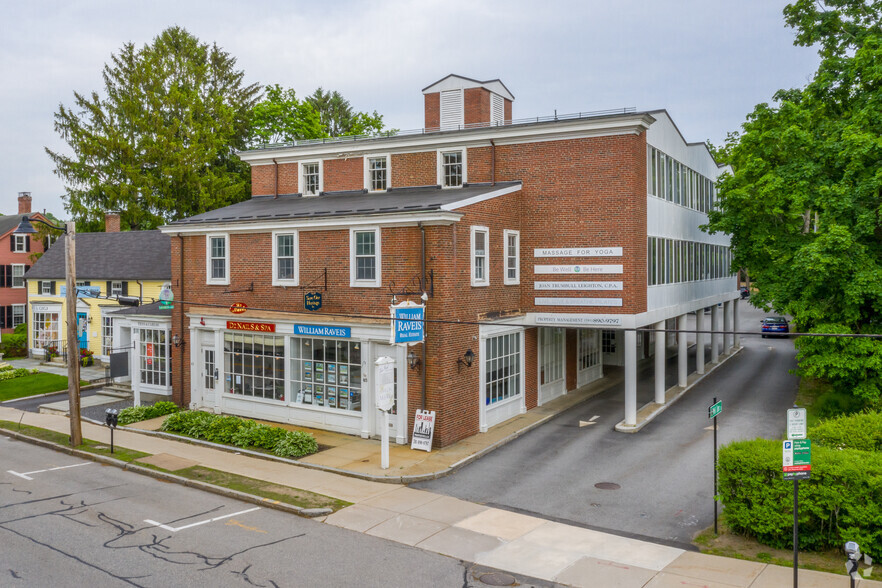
548 301
579 269
578 286
255 327
323 331
578 252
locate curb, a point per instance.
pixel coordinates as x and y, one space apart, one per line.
169 477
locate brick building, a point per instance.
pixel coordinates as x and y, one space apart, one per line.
541 246
17 254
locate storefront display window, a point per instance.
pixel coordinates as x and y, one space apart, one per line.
503 365
153 356
46 330
326 373
255 365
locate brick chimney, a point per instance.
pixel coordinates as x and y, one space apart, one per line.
111 222
456 102
24 203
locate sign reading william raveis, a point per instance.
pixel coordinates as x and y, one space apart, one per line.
408 322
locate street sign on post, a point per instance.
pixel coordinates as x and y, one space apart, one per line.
714 409
796 423
797 459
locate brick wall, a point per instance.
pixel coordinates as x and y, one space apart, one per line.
433 110
414 169
476 106
343 174
263 178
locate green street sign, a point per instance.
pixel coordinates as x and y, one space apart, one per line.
714 409
797 459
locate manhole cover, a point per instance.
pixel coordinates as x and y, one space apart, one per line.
595 504
607 486
497 579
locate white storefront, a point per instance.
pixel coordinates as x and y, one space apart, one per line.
147 340
298 369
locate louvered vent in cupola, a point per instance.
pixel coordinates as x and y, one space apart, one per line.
497 109
452 111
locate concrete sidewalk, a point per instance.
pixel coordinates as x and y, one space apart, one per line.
496 538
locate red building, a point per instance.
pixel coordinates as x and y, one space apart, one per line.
541 246
16 257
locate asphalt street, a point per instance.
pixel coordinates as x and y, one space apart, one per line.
660 480
69 522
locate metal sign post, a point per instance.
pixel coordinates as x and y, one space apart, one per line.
796 465
713 411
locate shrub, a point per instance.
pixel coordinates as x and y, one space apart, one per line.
11 374
133 414
862 431
841 502
14 344
239 432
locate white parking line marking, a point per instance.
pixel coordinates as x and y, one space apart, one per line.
27 475
176 529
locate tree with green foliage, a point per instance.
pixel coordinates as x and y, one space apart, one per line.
159 144
803 204
339 119
280 117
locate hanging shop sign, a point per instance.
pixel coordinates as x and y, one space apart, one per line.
408 322
312 301
323 331
166 296
238 307
83 291
578 252
423 430
255 327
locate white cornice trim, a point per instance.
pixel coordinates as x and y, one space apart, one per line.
481 197
634 124
318 224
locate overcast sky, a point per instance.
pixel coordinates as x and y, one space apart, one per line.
708 62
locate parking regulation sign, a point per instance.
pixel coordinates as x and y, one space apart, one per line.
796 459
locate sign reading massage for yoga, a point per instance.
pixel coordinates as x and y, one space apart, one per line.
323 331
579 269
578 252
577 286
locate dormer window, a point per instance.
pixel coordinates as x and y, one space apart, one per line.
311 178
377 173
451 168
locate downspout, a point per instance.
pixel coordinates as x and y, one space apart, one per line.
276 183
181 322
140 291
425 302
492 163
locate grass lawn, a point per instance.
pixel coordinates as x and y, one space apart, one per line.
32 385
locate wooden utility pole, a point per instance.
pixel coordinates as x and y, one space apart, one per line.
73 348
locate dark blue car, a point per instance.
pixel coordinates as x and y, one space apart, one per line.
775 326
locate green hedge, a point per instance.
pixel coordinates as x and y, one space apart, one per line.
841 502
133 414
230 430
10 373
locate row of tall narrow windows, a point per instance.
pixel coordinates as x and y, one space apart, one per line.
670 180
671 261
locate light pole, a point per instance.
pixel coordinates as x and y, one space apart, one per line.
73 364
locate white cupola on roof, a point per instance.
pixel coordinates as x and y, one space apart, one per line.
457 102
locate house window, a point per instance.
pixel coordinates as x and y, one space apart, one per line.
45 330
502 366
19 243
608 341
46 288
218 256
512 257
153 356
377 173
326 373
116 288
451 168
480 236
106 335
311 178
255 365
364 261
18 270
285 259
18 314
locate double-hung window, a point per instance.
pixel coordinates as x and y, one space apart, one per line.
285 259
18 314
512 257
46 288
18 270
364 257
377 173
19 243
452 168
480 237
116 289
106 335
311 178
217 255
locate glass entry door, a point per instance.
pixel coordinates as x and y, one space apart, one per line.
552 355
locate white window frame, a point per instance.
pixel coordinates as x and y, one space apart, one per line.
225 281
374 283
277 281
116 288
21 277
509 281
21 243
368 184
485 280
106 335
301 177
22 310
45 287
440 167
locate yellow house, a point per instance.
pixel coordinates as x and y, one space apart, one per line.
129 264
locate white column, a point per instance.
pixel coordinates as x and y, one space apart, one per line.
735 322
682 351
727 326
631 378
660 362
700 338
715 336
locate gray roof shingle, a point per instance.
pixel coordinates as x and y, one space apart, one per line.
128 255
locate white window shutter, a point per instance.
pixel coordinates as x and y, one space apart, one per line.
497 108
452 113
